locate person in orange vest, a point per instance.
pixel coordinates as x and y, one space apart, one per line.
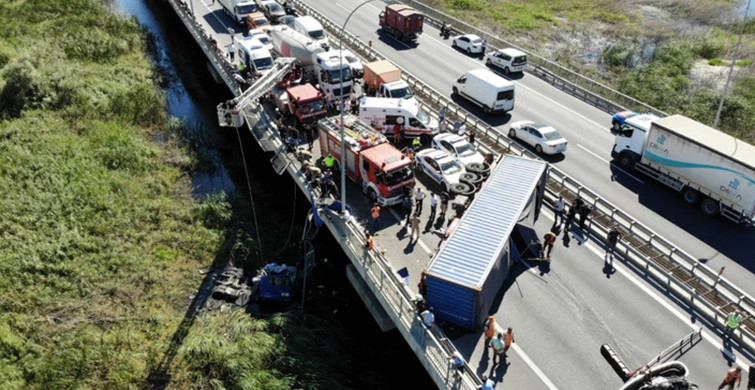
733 375
375 221
548 240
489 331
508 338
369 244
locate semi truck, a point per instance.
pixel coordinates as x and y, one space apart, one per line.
382 78
402 21
320 66
238 9
383 172
707 166
303 101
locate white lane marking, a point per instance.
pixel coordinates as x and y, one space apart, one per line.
609 163
546 381
619 266
714 340
421 244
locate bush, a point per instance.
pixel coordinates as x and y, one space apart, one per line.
717 62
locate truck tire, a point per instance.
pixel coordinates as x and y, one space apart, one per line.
710 207
462 189
488 62
478 168
512 133
372 195
626 161
486 109
471 178
455 91
691 196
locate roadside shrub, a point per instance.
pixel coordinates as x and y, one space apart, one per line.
744 62
215 210
710 47
617 55
716 62
466 5
120 149
140 105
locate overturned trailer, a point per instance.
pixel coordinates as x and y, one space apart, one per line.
467 273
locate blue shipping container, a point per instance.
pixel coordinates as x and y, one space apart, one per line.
469 270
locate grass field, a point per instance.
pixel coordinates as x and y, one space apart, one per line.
102 238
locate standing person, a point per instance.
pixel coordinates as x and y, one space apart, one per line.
396 133
484 47
231 51
457 126
369 243
508 339
310 133
408 205
375 217
732 323
458 361
751 378
548 240
441 114
558 206
419 196
232 33
489 329
442 126
416 143
498 348
583 212
462 130
414 221
733 375
428 318
570 215
433 205
471 136
613 238
444 196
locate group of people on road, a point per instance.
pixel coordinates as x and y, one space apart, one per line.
566 215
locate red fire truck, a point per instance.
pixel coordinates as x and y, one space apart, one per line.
382 170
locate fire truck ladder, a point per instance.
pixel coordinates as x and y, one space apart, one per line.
230 112
683 345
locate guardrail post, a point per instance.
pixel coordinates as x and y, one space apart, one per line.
718 277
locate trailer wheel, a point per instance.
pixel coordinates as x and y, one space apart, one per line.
512 133
471 178
486 109
710 207
455 91
478 168
626 161
462 189
691 196
488 62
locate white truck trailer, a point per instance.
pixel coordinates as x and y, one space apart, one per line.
708 167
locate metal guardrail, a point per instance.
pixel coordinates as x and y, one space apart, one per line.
696 284
205 41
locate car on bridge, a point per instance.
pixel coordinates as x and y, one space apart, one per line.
262 37
470 43
542 137
509 60
272 10
440 166
459 147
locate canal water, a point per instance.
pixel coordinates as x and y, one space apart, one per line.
192 95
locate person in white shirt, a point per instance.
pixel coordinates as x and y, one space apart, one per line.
558 206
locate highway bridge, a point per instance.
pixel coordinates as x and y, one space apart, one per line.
564 311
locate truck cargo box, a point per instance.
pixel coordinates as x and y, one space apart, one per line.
714 163
468 271
378 72
404 18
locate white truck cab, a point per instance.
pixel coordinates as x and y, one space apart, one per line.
310 27
330 71
631 137
238 9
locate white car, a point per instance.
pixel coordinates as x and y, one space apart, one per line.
440 166
509 60
262 37
468 42
272 10
544 138
458 146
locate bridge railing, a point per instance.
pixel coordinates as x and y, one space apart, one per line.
205 41
697 285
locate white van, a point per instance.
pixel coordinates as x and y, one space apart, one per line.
509 60
310 27
384 113
254 55
486 89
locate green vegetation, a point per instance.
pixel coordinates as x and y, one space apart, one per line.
101 236
646 50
